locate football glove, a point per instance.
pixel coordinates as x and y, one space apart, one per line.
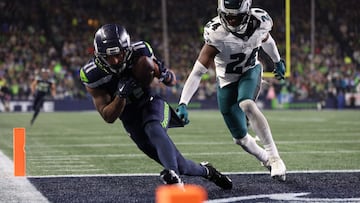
125 87
182 113
279 70
165 74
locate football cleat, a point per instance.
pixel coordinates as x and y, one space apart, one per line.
277 168
216 177
266 165
169 177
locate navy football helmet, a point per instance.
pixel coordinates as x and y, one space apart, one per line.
112 39
234 14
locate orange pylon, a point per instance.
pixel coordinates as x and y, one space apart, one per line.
19 151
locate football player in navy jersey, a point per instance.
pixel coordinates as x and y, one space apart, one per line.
112 78
42 85
232 41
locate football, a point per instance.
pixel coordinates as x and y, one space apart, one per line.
143 70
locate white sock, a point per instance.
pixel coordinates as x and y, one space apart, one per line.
260 126
249 144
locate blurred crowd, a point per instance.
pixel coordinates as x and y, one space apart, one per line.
59 35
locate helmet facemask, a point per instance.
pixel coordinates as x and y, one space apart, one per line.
234 14
115 69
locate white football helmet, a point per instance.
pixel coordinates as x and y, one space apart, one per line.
234 14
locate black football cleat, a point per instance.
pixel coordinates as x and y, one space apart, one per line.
169 177
216 177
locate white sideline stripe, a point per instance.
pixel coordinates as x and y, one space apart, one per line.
16 189
71 157
157 174
193 143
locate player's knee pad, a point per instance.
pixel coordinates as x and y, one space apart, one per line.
248 106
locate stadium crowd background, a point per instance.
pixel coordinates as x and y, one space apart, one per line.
58 35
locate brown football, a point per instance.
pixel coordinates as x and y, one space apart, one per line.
143 70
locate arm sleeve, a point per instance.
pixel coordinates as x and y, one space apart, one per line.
270 48
192 83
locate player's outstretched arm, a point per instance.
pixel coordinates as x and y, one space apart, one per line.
271 49
205 60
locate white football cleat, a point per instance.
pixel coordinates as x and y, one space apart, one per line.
266 165
278 168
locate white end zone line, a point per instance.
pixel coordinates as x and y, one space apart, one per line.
16 189
157 174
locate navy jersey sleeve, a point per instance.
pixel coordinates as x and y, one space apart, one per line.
94 77
142 48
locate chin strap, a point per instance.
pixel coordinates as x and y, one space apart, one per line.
101 63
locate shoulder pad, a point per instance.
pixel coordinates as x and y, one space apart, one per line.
213 32
142 48
92 76
264 18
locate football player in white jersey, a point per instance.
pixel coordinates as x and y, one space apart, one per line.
232 42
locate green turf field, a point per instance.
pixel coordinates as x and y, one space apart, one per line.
82 143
